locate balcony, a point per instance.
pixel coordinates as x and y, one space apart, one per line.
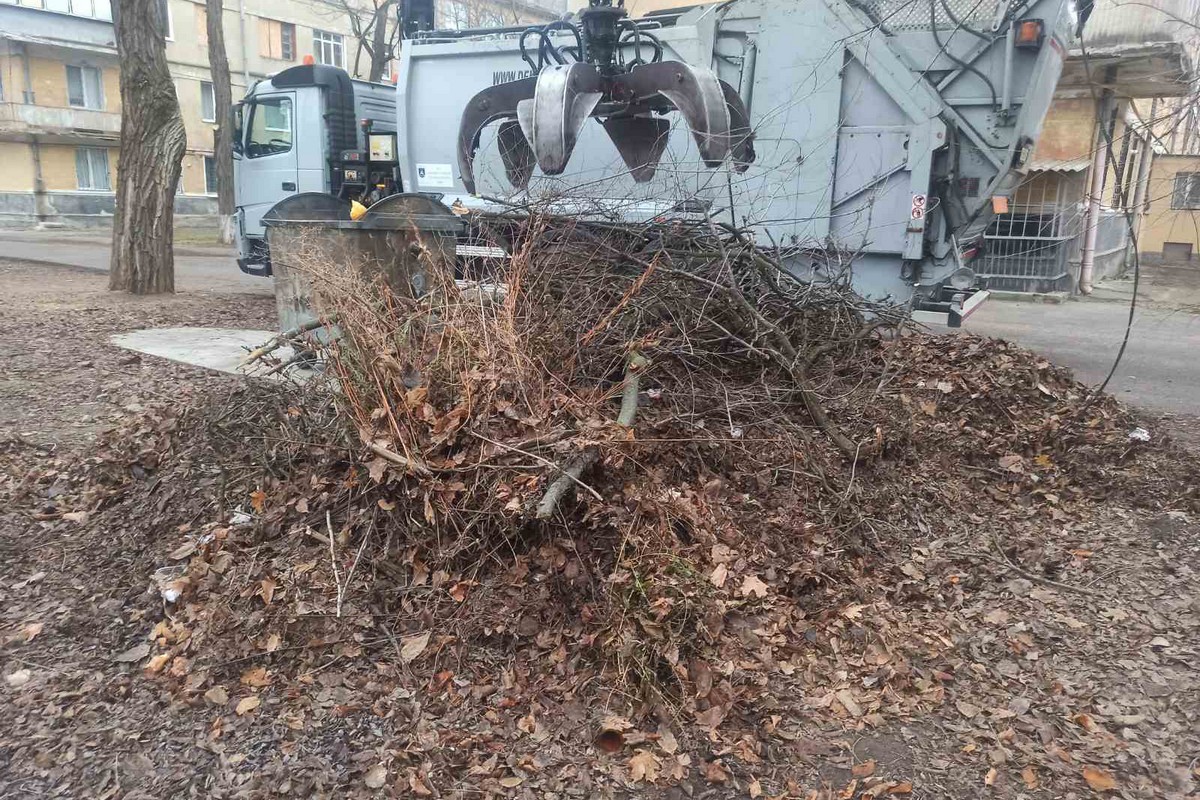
37 26
1137 48
67 125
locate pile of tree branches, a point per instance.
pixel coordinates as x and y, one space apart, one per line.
512 390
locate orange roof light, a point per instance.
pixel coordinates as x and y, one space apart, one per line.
309 60
1029 33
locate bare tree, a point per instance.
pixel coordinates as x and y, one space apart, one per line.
486 13
218 62
152 146
375 30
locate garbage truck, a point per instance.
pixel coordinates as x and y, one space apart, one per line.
309 128
866 139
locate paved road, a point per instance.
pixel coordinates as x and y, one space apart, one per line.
197 269
1160 370
1161 367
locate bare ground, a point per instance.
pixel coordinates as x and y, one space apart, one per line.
1024 688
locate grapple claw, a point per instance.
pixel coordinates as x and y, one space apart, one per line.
564 98
550 110
493 103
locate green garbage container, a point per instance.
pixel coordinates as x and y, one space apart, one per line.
401 238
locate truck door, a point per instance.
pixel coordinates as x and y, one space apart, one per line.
269 168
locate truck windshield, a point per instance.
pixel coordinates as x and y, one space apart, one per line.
270 127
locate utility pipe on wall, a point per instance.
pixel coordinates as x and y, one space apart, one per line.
1091 219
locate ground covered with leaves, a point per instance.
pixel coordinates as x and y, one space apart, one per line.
252 589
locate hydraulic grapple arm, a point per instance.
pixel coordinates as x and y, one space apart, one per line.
544 115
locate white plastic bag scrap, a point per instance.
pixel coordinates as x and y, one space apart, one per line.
1139 435
171 582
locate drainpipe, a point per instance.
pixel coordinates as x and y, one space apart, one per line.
1091 219
242 26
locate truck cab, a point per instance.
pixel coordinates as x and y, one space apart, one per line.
296 132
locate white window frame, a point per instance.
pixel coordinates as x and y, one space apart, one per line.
89 103
91 170
206 159
292 27
170 37
212 94
336 44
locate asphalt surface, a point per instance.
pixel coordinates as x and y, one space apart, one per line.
1160 370
197 268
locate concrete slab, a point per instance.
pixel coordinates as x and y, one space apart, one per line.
220 349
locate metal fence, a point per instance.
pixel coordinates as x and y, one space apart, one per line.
1030 249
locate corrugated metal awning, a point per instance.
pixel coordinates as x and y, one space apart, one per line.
1059 165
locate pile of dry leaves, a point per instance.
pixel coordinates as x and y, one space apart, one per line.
640 510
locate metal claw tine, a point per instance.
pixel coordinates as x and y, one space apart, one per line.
564 98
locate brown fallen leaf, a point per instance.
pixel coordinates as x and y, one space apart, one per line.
718 576
715 772
256 676
412 646
752 586
217 696
846 698
668 742
266 589
903 787
155 665
511 781
134 654
376 776
863 770
755 788
1030 777
247 704
644 766
31 630
1099 780
990 778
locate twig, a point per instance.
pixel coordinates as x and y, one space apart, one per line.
564 470
416 466
282 339
1033 576
629 401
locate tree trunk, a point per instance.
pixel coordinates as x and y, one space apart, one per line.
218 62
380 52
152 146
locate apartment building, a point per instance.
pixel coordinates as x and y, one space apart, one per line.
60 101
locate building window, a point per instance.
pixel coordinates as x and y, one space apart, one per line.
210 175
97 9
91 169
276 39
327 48
164 15
208 102
84 87
1187 191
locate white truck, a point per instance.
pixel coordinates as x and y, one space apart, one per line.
309 128
872 138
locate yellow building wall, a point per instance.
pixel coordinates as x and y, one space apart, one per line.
58 167
1162 223
49 80
17 174
192 173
